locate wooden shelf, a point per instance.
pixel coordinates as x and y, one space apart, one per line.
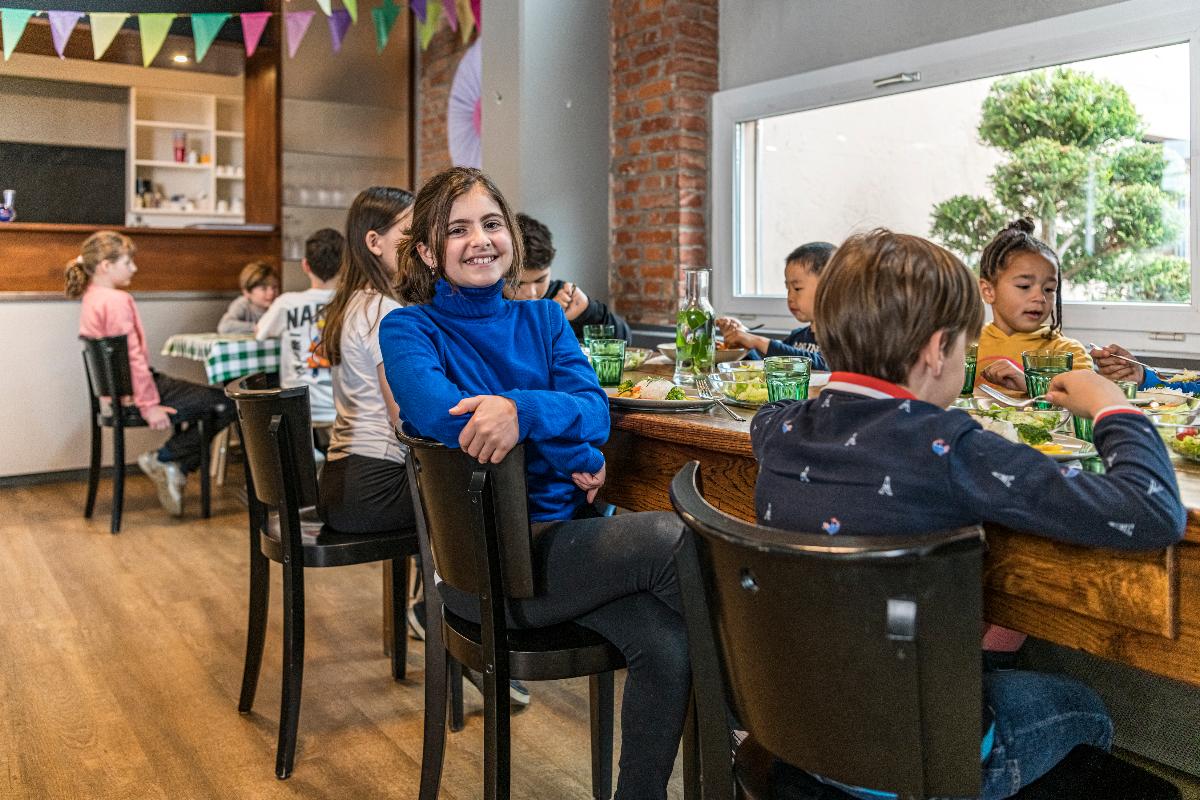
141 162
177 213
180 126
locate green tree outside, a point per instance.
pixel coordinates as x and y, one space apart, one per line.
1077 164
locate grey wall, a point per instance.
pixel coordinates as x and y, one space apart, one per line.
766 39
545 140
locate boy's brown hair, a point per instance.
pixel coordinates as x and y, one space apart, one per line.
257 273
884 294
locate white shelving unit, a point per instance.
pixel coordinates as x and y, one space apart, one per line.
209 189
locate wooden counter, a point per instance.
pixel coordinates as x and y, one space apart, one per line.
34 255
1142 609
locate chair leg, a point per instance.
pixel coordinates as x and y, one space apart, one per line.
496 737
256 626
93 471
399 572
600 701
118 501
433 749
457 718
205 479
293 667
389 612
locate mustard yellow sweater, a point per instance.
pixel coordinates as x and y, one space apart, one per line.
994 344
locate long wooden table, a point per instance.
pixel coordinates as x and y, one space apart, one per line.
1142 609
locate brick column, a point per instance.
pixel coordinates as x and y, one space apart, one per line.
664 70
438 64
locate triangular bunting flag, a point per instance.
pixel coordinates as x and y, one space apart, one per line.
451 9
253 25
339 23
477 12
297 26
419 8
205 28
326 6
12 25
352 9
428 28
466 20
61 25
154 29
385 17
105 27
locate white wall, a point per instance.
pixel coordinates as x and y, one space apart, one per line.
44 427
545 139
765 39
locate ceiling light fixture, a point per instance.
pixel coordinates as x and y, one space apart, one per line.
180 58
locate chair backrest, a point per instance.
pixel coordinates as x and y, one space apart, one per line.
106 361
465 503
276 433
854 658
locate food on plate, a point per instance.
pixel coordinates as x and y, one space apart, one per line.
1186 376
1186 442
1032 435
749 390
1052 449
1046 420
651 389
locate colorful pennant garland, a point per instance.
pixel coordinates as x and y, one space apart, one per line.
463 16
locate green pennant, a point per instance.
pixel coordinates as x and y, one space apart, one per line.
352 7
385 17
12 25
105 27
154 29
205 28
426 29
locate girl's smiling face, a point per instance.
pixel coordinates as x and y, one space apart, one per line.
1022 297
478 243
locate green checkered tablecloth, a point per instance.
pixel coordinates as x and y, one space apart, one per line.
225 356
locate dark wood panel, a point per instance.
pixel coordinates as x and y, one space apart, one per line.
262 118
33 257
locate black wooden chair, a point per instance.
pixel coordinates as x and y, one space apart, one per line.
474 530
106 362
281 488
853 658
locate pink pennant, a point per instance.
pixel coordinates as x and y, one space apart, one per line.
253 25
418 8
339 23
61 25
451 9
297 26
477 10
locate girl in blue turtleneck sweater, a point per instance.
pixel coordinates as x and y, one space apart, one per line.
474 370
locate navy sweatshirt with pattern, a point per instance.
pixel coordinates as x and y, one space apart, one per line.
800 342
866 458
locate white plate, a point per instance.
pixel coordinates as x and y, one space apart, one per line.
1078 447
693 403
1165 400
668 350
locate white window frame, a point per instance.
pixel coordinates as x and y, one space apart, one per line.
1109 30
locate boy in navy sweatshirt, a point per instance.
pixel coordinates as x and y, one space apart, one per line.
877 454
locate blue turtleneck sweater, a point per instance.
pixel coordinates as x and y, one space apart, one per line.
468 342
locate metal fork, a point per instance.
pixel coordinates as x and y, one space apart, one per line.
704 387
1000 397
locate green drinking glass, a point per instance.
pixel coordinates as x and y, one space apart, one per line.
969 370
591 332
787 377
1129 388
1040 368
608 359
1083 428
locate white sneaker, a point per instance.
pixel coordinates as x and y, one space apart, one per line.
518 694
168 479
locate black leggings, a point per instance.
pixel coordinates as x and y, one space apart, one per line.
616 575
191 400
360 494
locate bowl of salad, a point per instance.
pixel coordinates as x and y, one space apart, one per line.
742 382
1033 426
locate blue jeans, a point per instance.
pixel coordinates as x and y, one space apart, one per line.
1039 718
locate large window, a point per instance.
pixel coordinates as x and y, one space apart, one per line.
1094 142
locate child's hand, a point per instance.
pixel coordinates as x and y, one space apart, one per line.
1003 372
493 429
1084 392
572 299
1117 369
590 482
728 326
157 417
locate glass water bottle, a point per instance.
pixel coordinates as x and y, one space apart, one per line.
694 340
8 209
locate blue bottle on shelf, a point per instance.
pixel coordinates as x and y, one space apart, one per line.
8 211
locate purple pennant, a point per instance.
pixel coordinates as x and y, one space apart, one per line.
451 9
297 26
418 7
339 23
61 25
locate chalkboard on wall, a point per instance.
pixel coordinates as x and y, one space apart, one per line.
83 185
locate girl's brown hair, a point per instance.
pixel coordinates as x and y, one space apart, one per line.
100 246
1017 237
883 295
375 209
431 218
